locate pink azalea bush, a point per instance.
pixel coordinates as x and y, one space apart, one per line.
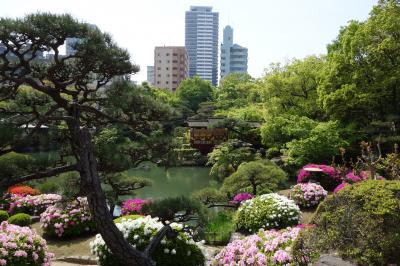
241 197
133 206
352 178
32 204
69 221
22 246
269 247
308 194
326 175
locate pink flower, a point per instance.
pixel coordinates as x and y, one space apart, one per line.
132 206
340 187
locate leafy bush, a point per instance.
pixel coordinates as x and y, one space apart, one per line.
267 211
226 158
361 222
69 221
33 205
219 229
265 248
16 250
132 206
209 195
127 217
241 197
327 176
256 177
15 164
390 166
49 187
22 190
3 216
21 219
308 194
180 251
175 209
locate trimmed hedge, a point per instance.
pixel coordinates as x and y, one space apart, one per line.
21 219
3 216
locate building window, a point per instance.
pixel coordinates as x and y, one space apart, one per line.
175 82
158 82
174 61
168 61
167 68
158 54
167 54
168 76
159 61
175 54
158 68
174 75
174 68
167 82
159 75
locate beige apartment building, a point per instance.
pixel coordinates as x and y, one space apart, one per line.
170 66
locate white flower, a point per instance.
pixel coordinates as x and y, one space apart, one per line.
173 252
166 251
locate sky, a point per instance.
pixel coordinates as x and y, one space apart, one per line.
272 30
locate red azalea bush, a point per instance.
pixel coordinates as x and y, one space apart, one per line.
23 190
327 176
133 206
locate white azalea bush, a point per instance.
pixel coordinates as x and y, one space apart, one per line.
267 211
180 251
308 194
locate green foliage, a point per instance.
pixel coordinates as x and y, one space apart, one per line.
209 195
193 91
219 228
322 143
302 139
360 222
226 158
3 216
21 219
360 83
292 88
389 166
48 187
256 177
13 164
127 218
179 209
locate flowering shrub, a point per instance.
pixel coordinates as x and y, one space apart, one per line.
69 221
242 197
265 248
352 178
22 246
22 190
326 175
133 206
180 251
340 187
267 211
308 194
32 204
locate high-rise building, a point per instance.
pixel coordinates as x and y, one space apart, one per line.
201 41
150 74
170 66
233 56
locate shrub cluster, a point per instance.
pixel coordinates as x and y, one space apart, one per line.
33 205
241 197
22 190
267 211
308 194
21 246
327 176
3 216
265 248
133 206
69 221
21 219
361 222
180 251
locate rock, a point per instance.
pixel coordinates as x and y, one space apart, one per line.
236 236
209 252
332 260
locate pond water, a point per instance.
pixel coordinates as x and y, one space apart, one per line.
171 182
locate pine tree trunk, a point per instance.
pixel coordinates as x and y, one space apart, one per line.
97 202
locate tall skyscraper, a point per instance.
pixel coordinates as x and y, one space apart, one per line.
150 74
201 41
233 56
170 66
